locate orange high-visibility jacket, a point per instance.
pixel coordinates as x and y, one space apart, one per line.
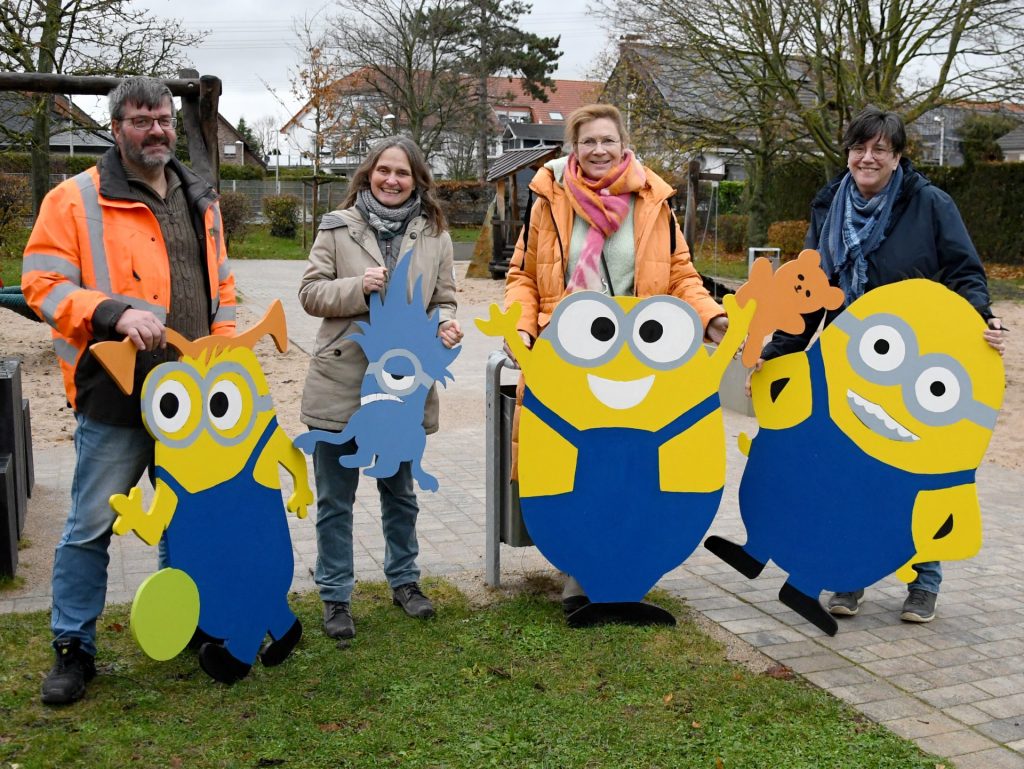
94 252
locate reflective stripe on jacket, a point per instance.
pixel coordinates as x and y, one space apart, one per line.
93 252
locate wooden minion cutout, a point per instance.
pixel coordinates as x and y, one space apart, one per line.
867 447
217 503
622 458
406 358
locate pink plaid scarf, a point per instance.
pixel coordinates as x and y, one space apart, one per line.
603 204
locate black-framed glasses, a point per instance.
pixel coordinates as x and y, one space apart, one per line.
145 122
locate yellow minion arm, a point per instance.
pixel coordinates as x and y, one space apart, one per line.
149 526
503 324
739 323
279 450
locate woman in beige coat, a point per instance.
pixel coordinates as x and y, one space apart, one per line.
390 208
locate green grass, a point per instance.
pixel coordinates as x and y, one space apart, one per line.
1006 289
258 243
464 234
505 686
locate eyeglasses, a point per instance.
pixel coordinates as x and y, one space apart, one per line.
592 144
859 150
144 122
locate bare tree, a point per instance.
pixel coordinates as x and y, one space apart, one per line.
402 65
84 37
810 65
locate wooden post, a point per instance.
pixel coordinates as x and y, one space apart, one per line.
690 220
12 436
201 125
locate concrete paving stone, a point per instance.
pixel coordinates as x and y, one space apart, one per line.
910 682
902 631
953 638
741 626
762 638
945 696
741 612
31 603
872 691
717 601
1002 686
902 706
1003 707
1011 647
859 655
849 639
1003 632
787 651
894 649
958 655
957 674
967 714
898 666
815 662
1005 730
1017 746
924 726
955 744
842 677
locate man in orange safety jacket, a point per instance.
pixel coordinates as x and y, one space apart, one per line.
127 248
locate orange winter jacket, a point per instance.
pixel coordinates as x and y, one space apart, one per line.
94 252
536 277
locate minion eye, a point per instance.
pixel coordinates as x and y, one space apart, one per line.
587 329
882 348
225 404
399 383
664 332
171 406
937 389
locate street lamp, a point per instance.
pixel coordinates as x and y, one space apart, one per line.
630 98
941 120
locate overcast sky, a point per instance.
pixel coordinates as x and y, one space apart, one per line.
253 40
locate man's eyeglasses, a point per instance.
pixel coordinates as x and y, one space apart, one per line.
592 144
859 151
144 122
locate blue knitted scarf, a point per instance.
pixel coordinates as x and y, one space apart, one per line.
861 229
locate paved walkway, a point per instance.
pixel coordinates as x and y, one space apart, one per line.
955 686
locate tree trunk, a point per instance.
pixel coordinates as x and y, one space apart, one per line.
44 106
483 127
757 207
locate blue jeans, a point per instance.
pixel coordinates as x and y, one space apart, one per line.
335 495
929 576
108 460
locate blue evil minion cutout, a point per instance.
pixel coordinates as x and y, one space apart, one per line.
622 445
406 358
867 447
217 503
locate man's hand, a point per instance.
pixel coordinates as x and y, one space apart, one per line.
450 333
143 328
716 329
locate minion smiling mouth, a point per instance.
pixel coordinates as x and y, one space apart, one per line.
876 419
379 397
620 395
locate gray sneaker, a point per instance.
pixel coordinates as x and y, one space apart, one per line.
411 598
338 622
919 606
845 604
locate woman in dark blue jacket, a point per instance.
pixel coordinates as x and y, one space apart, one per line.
881 221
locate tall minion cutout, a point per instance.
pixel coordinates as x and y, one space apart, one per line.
868 443
217 503
406 359
622 445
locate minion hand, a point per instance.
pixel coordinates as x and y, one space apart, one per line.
299 500
500 323
132 517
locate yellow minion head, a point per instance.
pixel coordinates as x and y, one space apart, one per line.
911 380
621 361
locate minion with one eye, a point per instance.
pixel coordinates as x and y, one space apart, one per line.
217 503
622 459
864 462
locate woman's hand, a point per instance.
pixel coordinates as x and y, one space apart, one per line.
996 335
750 374
450 333
527 340
716 329
374 279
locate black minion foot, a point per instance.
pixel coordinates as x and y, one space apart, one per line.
276 651
809 608
735 556
220 664
625 612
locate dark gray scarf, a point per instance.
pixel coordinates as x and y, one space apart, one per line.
386 221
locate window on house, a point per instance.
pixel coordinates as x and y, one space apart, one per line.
229 150
556 116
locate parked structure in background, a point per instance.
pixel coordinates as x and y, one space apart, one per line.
72 131
937 137
233 148
519 120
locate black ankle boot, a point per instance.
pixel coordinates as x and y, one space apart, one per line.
71 671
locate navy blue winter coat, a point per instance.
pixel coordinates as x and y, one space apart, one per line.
925 238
